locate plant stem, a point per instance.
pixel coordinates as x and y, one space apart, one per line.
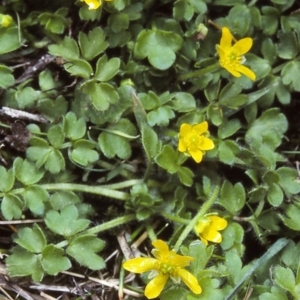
175 218
204 208
198 73
110 224
97 190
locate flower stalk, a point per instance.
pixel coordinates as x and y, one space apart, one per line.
204 208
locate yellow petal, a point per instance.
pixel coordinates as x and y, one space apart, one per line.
196 154
155 286
217 223
204 241
226 39
201 128
182 145
243 46
232 70
180 260
246 71
212 236
140 264
190 280
93 4
206 144
185 129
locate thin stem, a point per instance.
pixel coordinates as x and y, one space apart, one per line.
204 208
110 224
175 218
97 190
198 73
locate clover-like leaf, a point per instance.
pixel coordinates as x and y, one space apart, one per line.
11 207
159 46
290 73
233 197
6 78
24 263
93 43
66 222
68 49
7 179
55 161
31 239
27 172
54 261
56 136
107 69
83 152
10 39
84 248
35 197
74 128
167 159
79 67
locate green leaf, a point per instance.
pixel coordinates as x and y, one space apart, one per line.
60 199
268 129
6 79
106 70
84 248
167 159
150 142
210 290
74 128
160 116
66 222
79 67
232 235
290 73
285 278
7 179
53 109
24 263
159 46
183 102
292 217
101 94
114 143
10 39
92 44
26 97
83 152
288 180
185 175
275 195
227 151
56 22
35 198
228 128
11 207
54 261
56 136
26 172
68 49
118 22
288 46
55 161
31 239
233 197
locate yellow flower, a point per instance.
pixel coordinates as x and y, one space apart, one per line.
6 20
193 140
93 4
165 264
208 228
231 57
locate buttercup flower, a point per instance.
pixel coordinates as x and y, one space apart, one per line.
6 20
231 56
208 228
165 264
193 140
93 4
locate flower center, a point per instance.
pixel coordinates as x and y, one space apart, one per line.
193 139
231 58
166 269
